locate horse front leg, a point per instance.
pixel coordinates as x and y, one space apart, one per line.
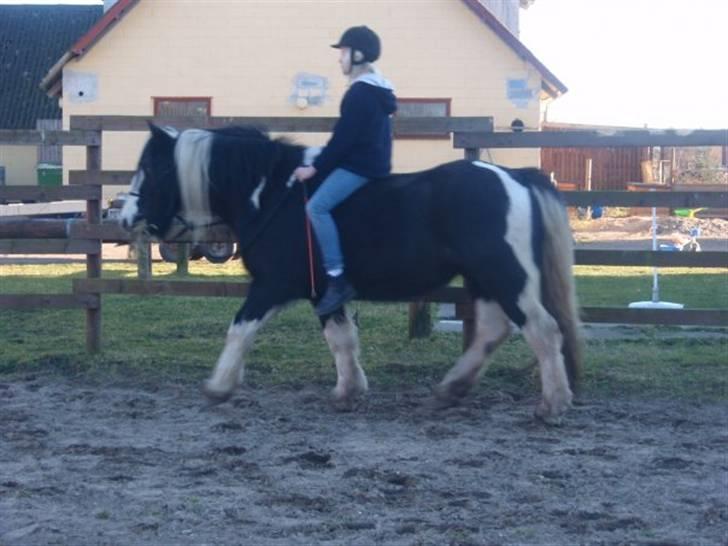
343 339
230 368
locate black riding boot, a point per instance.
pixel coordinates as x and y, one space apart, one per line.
338 293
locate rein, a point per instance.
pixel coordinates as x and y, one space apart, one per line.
309 241
247 242
244 245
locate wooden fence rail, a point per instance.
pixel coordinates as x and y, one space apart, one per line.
674 199
591 139
77 234
26 137
470 134
60 193
418 126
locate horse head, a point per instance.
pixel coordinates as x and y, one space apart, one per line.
199 177
154 197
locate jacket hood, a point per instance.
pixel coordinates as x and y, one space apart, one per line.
375 79
384 89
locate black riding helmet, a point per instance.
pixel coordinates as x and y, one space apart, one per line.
362 40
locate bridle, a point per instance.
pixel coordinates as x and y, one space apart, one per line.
247 242
187 226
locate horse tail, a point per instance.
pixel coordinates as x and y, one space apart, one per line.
558 291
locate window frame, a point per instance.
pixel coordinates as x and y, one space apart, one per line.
158 100
447 101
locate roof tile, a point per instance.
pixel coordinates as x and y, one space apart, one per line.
32 39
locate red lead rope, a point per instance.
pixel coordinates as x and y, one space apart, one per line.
309 240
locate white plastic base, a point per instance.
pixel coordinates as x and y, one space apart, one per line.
655 305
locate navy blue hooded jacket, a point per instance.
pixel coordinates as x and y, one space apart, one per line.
362 138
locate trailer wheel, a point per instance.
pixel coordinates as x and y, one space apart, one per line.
168 251
218 253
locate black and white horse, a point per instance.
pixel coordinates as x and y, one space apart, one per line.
505 231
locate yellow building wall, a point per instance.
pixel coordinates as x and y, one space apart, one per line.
20 165
245 56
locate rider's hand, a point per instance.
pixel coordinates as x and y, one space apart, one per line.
304 173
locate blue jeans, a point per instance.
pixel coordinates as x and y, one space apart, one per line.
339 185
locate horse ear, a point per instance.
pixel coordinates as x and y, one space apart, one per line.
156 131
162 132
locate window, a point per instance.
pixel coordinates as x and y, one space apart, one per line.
182 107
419 108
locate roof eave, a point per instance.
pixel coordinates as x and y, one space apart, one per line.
553 91
550 83
107 22
52 82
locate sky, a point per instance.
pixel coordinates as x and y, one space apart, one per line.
634 62
660 63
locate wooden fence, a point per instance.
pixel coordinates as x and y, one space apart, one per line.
469 134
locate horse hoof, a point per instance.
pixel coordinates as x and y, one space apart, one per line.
548 415
346 403
215 397
343 405
549 420
445 397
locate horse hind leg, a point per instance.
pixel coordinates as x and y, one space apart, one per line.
543 335
343 340
492 327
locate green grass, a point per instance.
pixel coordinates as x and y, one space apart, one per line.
164 338
618 286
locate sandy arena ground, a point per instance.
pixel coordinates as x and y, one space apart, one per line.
116 463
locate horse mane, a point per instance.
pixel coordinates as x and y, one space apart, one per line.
249 163
251 132
242 131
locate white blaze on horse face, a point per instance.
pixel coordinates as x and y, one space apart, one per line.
131 204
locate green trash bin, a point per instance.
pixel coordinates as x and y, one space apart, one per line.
50 175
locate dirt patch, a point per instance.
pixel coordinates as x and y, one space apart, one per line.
669 229
112 464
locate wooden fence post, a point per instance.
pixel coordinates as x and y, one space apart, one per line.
588 168
472 154
144 258
420 319
93 261
466 313
183 259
